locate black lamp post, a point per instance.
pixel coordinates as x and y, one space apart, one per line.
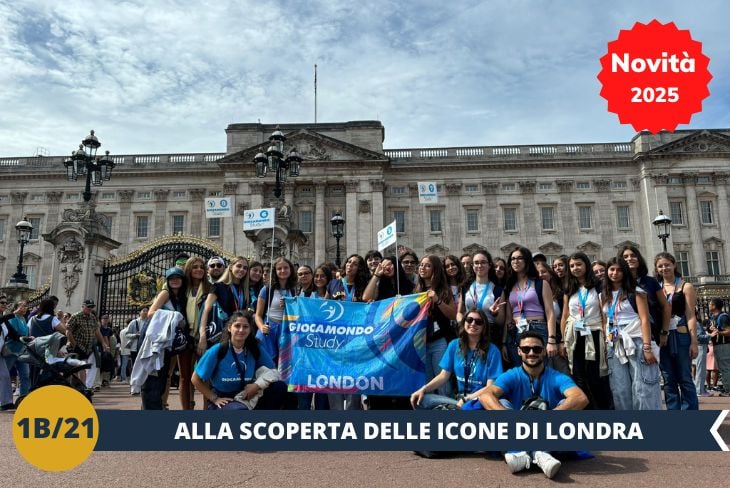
338 230
83 162
273 161
24 229
663 225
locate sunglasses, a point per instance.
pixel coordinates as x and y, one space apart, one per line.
215 265
475 321
535 349
3 303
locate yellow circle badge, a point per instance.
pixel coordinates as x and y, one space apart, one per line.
55 428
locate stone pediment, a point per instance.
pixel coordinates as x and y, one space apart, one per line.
474 247
713 241
551 248
437 249
31 257
700 142
311 146
507 249
589 246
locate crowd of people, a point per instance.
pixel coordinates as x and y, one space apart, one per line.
510 332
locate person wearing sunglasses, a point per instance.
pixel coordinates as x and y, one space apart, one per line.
533 380
474 360
216 267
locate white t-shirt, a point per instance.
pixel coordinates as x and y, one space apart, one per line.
592 312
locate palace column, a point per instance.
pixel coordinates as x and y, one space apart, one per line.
228 224
699 263
530 230
161 212
125 215
351 225
490 220
724 220
320 224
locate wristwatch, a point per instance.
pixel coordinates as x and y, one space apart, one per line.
664 332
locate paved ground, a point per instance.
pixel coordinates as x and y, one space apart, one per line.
345 469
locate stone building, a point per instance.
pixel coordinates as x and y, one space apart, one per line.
553 198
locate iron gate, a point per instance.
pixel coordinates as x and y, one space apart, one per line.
131 282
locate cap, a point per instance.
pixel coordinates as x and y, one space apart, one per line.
216 259
174 272
89 303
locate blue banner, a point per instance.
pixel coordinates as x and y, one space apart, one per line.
374 348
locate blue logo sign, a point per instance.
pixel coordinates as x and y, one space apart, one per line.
264 214
224 203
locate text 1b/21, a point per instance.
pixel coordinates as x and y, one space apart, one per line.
67 428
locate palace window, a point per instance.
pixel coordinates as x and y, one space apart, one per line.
713 263
178 224
400 221
214 227
510 218
143 222
472 220
676 212
435 220
548 218
36 223
305 221
706 214
623 216
683 262
585 218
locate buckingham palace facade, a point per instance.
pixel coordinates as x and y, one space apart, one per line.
555 199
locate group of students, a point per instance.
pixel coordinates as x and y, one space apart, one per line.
612 327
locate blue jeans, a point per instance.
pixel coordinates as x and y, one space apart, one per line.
432 400
634 384
270 341
123 367
6 388
304 401
23 373
434 352
679 388
701 369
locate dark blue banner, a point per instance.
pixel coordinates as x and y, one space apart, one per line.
335 346
121 430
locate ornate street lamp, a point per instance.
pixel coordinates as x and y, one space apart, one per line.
24 229
338 230
273 161
663 225
83 162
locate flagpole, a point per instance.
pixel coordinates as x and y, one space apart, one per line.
271 271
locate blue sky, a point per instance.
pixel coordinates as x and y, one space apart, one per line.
165 77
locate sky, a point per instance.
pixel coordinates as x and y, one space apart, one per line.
169 76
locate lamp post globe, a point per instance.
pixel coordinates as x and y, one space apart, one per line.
25 229
663 225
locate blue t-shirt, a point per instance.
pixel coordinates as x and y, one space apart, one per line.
551 386
482 370
227 378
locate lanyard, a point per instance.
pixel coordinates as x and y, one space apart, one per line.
521 298
612 307
670 297
479 304
583 299
237 297
532 384
349 292
468 369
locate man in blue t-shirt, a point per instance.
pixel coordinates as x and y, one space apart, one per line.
531 381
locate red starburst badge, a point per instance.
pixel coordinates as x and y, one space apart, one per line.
654 76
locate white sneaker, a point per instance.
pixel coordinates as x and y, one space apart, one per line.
549 465
517 461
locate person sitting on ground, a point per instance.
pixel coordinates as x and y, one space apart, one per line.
240 370
533 386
